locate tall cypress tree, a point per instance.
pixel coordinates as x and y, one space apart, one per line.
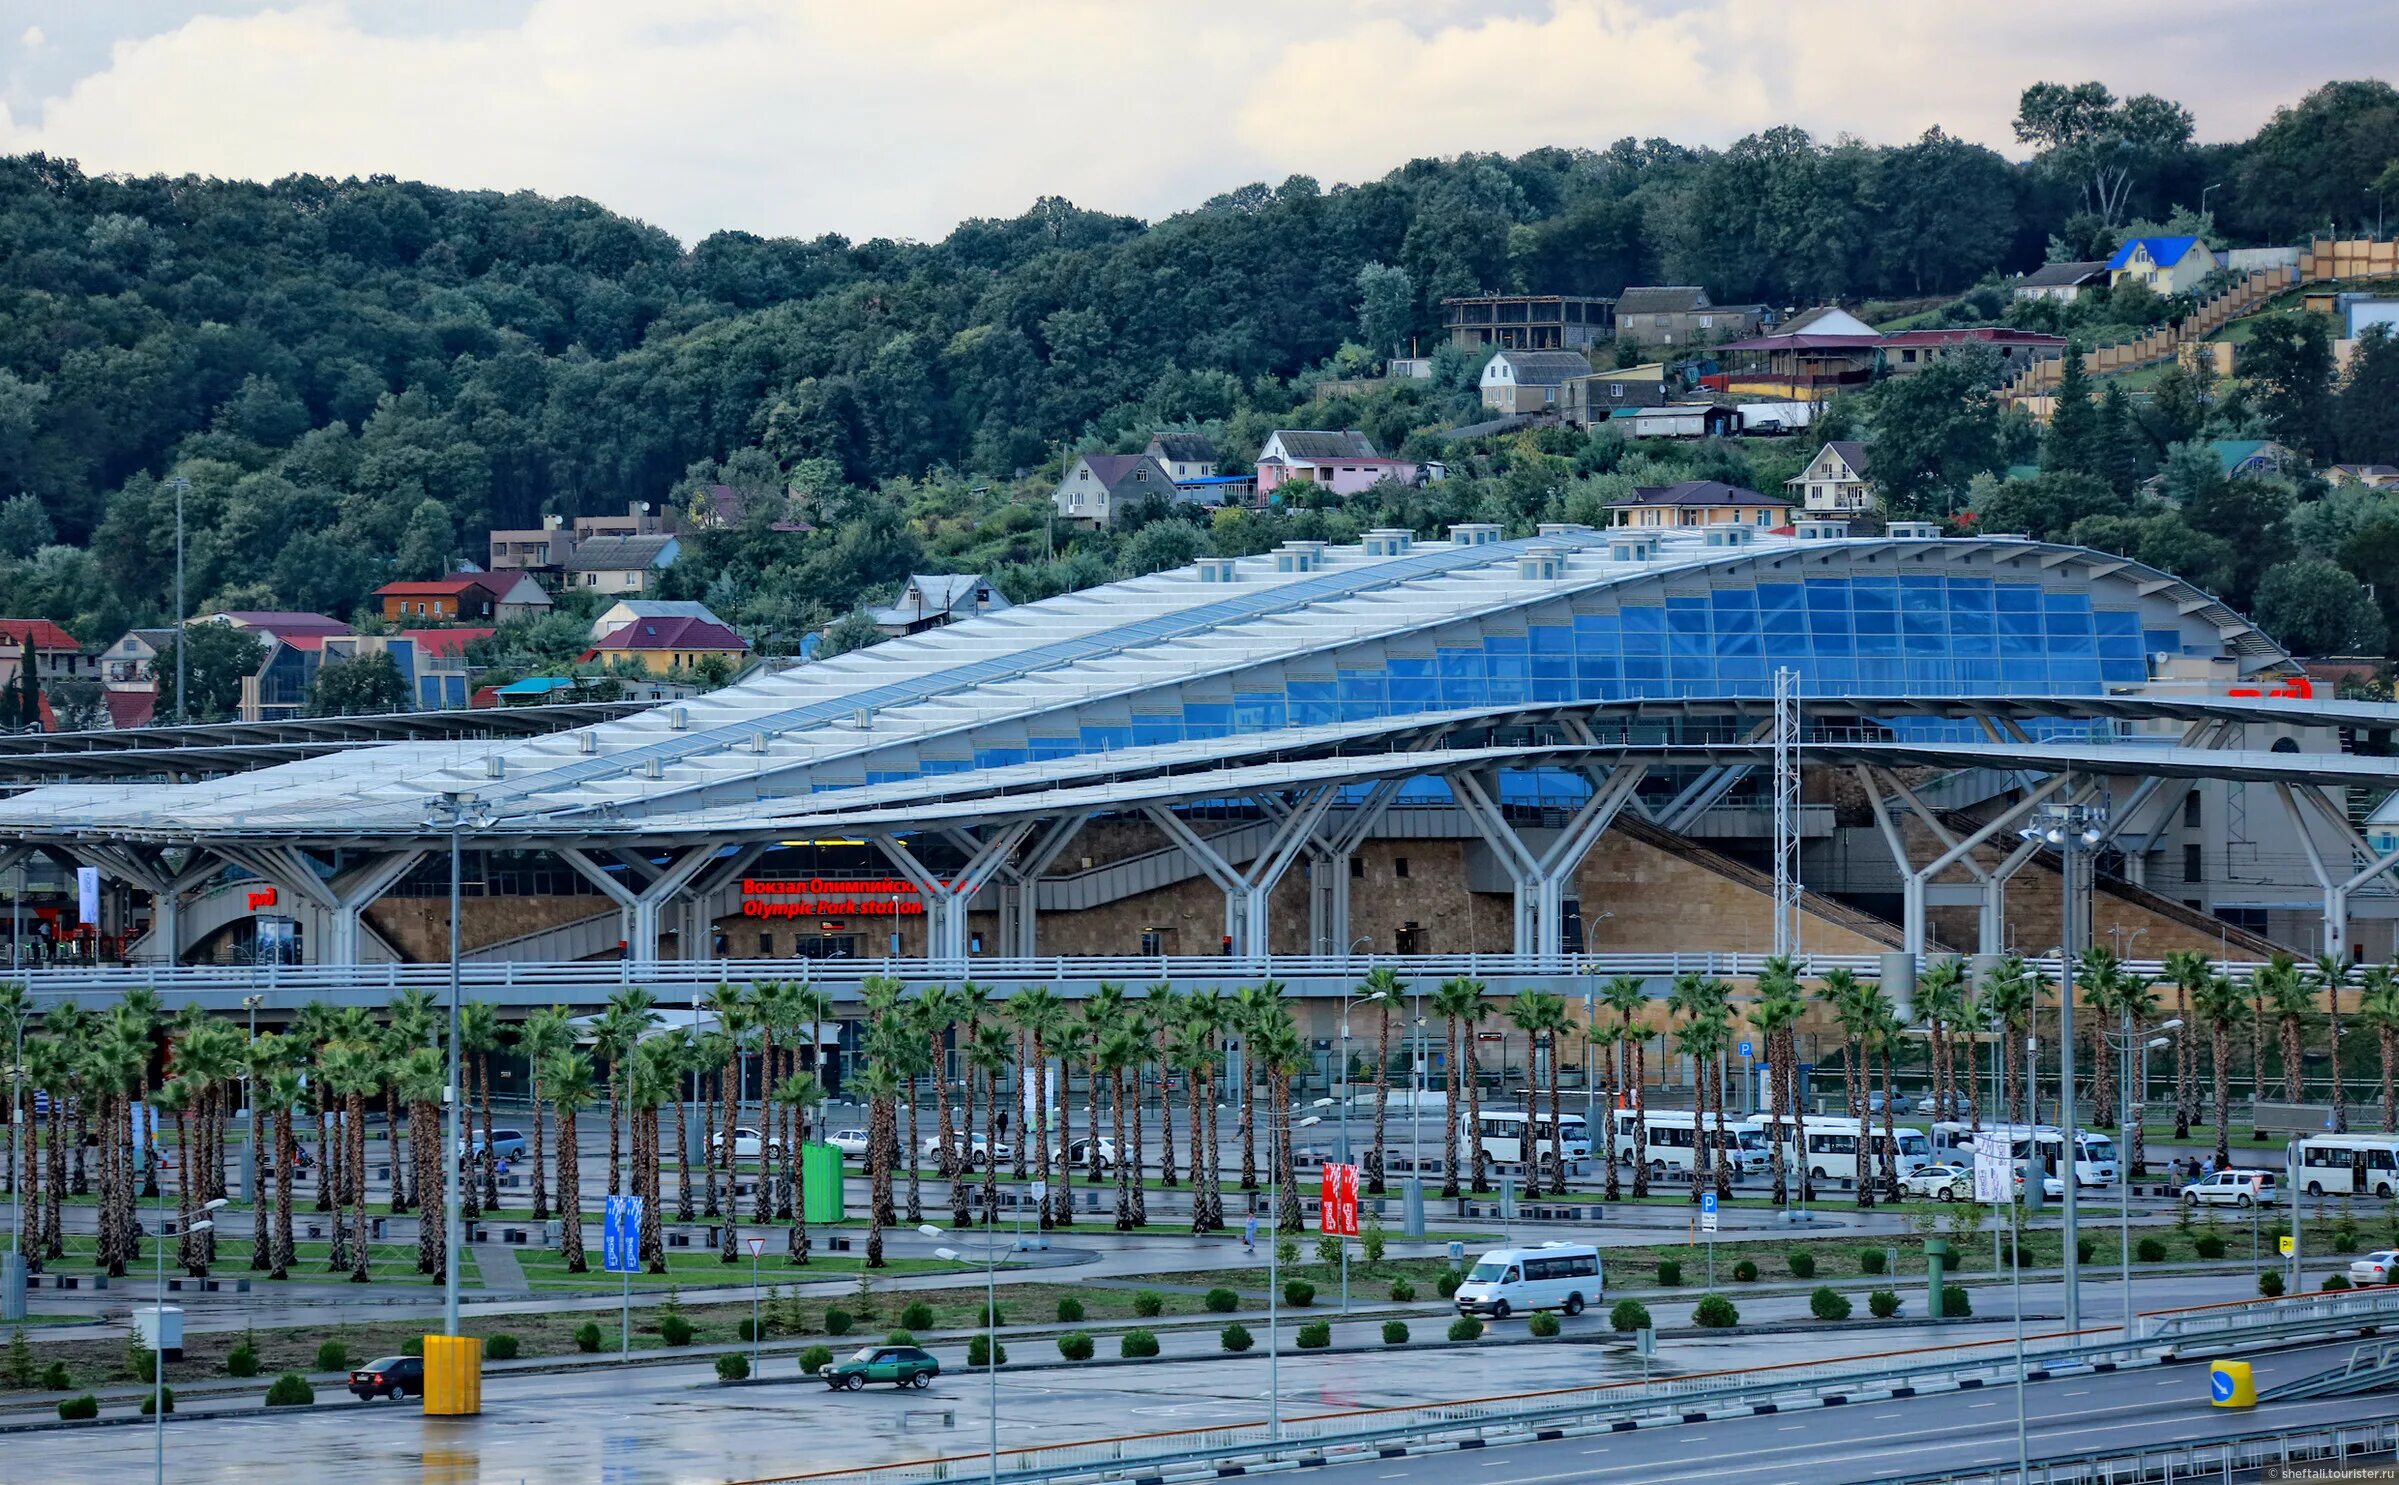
25 697
2073 424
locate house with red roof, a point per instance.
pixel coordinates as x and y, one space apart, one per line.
1906 352
462 597
57 655
662 645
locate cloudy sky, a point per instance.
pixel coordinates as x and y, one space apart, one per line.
898 117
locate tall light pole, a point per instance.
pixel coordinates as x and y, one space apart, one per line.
2072 830
2203 199
12 1282
2125 1044
991 1335
454 806
158 1319
182 617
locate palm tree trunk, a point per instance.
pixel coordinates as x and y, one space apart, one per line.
286 1151
1449 1113
491 1165
1640 1118
1124 1163
2383 1044
991 1147
358 1176
796 1242
1614 1063
1724 1176
1249 1130
2290 1058
1382 1099
2332 1042
1140 1154
1041 1121
2223 1072
2257 1063
2186 1053
1479 1168
762 1209
1166 1131
878 1177
570 1195
1890 1134
1195 1083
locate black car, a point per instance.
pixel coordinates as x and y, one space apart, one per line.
393 1376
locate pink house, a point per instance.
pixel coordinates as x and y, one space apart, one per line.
1344 463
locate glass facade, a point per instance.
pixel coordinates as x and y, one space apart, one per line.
1855 635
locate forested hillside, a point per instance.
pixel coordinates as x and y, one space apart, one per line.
359 377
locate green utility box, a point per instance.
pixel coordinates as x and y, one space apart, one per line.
820 1168
1936 1263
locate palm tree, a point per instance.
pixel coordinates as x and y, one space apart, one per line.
1120 1051
1542 1016
937 1008
420 1077
1197 1045
1846 997
1147 1022
2218 1003
2290 998
615 1034
2259 980
408 1024
175 1099
352 1070
730 1005
2187 970
1251 1005
970 1000
281 1088
1777 1011
798 1093
2102 979
1696 1000
2332 972
2379 1009
1386 989
2007 1005
1624 995
2137 1004
651 1083
567 1078
543 1036
1472 1008
1283 1054
772 1010
1039 1016
1166 1013
1940 1001
1884 1033
988 1054
479 1033
880 1086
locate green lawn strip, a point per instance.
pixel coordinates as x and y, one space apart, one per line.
393 1263
546 1269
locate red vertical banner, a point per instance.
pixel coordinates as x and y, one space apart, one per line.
1349 1201
1328 1201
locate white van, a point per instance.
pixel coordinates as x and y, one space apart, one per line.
2094 1154
2349 1164
1554 1276
1503 1133
1674 1136
1833 1142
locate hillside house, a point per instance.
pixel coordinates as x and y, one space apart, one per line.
1681 315
1835 482
1343 462
931 600
459 598
1184 456
1528 382
660 646
1528 322
1700 503
57 655
2168 265
625 610
2063 282
1584 400
543 549
622 564
1094 486
1909 351
1676 420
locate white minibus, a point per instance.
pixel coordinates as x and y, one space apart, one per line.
1833 1141
1674 1137
1554 1276
2349 1165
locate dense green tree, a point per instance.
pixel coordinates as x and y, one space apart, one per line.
847 633
2314 607
360 687
2315 164
2288 364
24 526
2365 413
2372 554
1934 431
1386 308
220 656
2086 137
2070 444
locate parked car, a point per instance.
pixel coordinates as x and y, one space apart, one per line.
902 1366
1078 1154
1942 1182
745 1143
393 1376
977 1155
509 1144
2233 1188
1960 1107
2377 1267
851 1142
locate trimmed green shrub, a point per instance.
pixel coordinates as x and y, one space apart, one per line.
2335 1281
587 1336
503 1347
1329 1250
2208 1245
1883 1304
1465 1328
1628 1316
2344 1241
816 1358
1137 1343
1746 1271
991 1315
1148 1303
1075 1346
241 1361
978 1352
1828 1303
76 1409
55 1377
2149 1250
1873 1261
837 1322
291 1390
151 1403
333 1356
750 1330
674 1330
1234 1338
1402 1291
917 1316
413 1346
1372 1243
1956 1303
1803 1264
1315 1335
2269 1284
1715 1313
2083 1250
1395 1332
141 1360
1222 1301
732 1367
1070 1310
1542 1323
1448 1283
1298 1293
1670 1273
900 1338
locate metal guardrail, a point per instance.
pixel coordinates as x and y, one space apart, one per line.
2370 1368
2223 1456
531 981
2204 1322
1980 1363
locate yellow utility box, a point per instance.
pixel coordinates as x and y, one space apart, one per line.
2229 1384
453 1375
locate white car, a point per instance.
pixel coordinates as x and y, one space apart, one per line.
2379 1267
978 1153
1944 1182
745 1143
2233 1188
1078 1154
850 1142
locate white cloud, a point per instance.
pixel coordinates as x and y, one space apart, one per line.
900 117
33 38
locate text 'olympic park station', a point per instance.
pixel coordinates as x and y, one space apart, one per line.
1527 759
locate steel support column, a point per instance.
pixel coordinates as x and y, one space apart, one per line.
1540 876
1248 892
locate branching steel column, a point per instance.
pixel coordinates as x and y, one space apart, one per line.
1787 886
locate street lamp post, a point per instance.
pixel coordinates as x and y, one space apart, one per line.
158 1320
2127 1046
12 1283
183 629
991 1334
454 805
2071 830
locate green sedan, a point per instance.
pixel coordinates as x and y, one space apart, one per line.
902 1366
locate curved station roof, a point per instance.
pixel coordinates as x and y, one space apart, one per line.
1313 664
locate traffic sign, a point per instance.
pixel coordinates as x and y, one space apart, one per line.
2290 1245
1040 1190
757 1246
620 1235
1337 1206
1707 1211
1745 1049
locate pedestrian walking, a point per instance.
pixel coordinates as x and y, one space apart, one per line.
1249 1237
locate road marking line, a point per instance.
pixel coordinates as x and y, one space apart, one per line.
1879 1417
1982 1405
1791 1428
